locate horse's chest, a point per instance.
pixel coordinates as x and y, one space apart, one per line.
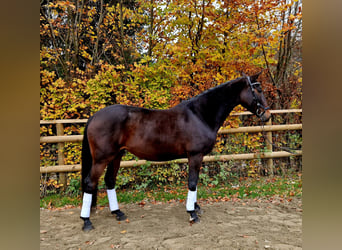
201 142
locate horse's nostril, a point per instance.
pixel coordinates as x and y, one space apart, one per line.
267 116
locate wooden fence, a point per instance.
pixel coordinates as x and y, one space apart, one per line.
60 139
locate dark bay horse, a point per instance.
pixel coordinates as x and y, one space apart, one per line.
186 130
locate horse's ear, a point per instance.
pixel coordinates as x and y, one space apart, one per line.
255 77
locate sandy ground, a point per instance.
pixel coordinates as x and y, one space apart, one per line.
240 224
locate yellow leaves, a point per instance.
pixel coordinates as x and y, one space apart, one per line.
86 55
120 66
291 17
219 146
219 78
183 56
252 141
145 59
295 104
62 5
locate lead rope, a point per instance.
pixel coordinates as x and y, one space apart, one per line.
287 149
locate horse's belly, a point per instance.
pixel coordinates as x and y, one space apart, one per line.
151 154
156 150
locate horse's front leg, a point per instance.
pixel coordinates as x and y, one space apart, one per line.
195 162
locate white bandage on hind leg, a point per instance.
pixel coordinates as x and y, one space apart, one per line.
86 204
191 199
113 201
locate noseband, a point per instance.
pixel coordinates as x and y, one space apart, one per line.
258 112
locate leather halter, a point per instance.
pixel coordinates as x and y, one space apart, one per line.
258 112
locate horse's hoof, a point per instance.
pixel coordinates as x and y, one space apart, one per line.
87 226
193 217
195 220
120 216
198 209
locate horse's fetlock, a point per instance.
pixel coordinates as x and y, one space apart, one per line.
192 186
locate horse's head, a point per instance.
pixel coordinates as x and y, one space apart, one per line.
253 99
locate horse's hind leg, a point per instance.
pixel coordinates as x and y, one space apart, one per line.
110 180
91 182
192 207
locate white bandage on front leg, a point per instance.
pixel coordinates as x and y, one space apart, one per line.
113 202
191 199
86 204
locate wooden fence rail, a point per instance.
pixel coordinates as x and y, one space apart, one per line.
268 128
210 158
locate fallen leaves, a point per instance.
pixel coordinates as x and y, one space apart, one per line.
142 203
115 246
89 242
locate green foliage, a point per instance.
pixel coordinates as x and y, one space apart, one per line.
74 186
155 80
295 140
147 176
285 187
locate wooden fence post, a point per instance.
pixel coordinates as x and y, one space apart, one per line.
269 149
60 147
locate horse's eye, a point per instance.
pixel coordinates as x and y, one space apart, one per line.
257 86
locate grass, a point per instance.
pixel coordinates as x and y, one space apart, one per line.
243 188
58 200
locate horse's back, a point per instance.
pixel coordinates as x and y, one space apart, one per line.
109 116
150 134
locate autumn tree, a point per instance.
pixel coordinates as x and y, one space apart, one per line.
156 53
85 34
167 50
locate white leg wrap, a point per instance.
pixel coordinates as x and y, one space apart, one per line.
113 201
86 204
191 199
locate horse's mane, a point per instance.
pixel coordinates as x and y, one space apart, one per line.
211 90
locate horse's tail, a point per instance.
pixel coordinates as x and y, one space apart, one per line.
87 159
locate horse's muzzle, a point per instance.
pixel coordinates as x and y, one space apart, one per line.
265 117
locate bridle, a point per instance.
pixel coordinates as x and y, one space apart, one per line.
260 106
259 114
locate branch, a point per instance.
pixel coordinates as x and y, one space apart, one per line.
96 47
54 42
265 55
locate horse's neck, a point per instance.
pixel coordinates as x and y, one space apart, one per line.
214 106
